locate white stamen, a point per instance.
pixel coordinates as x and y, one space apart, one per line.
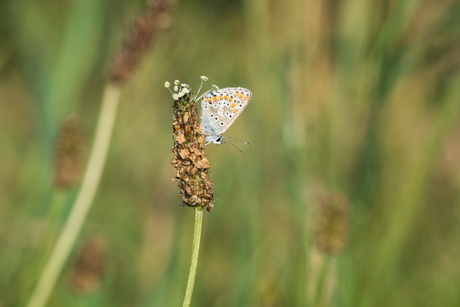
167 85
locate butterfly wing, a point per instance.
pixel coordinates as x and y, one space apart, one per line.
219 109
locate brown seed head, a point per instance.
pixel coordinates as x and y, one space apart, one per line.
332 223
156 17
89 266
189 157
68 155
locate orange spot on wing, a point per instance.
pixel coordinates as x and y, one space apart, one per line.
221 97
233 105
226 96
246 97
234 110
241 95
215 98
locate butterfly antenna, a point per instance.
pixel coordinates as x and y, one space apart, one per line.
229 137
236 148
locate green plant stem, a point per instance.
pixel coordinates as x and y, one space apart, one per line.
77 216
319 294
53 223
54 218
195 252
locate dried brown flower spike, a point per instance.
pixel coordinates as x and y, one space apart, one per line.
89 266
333 223
145 30
189 157
68 153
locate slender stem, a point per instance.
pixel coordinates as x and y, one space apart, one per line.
53 222
195 251
84 199
319 295
54 218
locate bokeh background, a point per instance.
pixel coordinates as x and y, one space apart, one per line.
355 104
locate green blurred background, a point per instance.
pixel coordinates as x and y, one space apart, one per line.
357 97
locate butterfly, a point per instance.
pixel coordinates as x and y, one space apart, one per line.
219 110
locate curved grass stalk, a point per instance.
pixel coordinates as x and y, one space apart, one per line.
71 230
